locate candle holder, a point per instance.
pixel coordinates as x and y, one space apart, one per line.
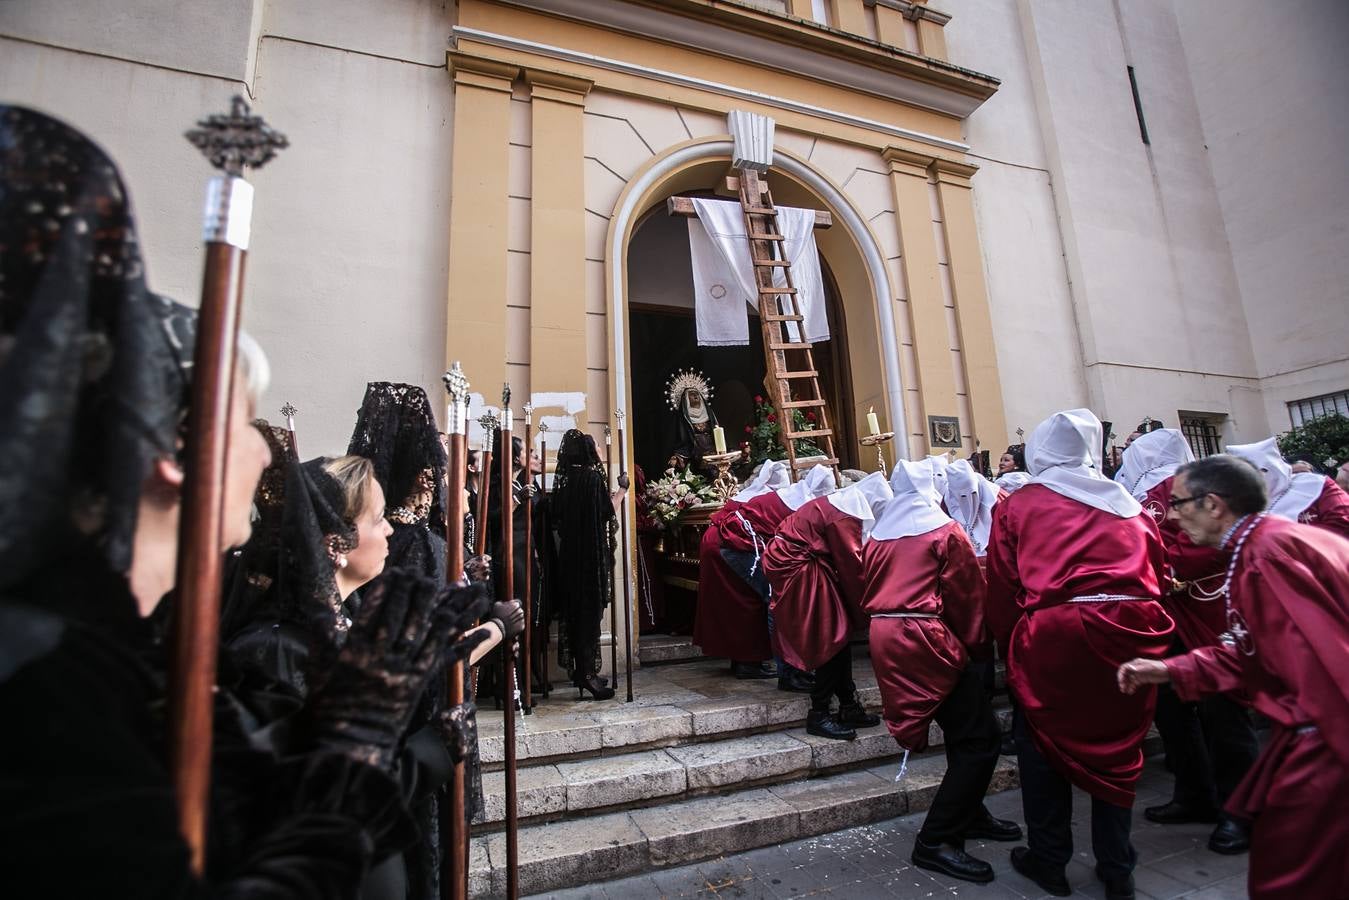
876 440
725 485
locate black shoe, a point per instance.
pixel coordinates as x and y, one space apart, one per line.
950 861
822 723
592 683
856 715
796 682
1121 888
1051 882
1174 813
751 670
1230 838
990 829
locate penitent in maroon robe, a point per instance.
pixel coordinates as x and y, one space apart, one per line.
814 565
933 579
1197 604
1290 655
1329 511
1052 561
732 619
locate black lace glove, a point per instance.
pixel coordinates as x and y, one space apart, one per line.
459 729
623 481
511 617
406 627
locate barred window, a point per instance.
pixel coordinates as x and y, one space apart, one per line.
1303 411
1202 434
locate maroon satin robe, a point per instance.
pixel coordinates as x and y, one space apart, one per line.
1197 607
918 661
1330 510
1044 551
732 620
814 565
764 514
1290 597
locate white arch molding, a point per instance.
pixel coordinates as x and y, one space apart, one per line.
871 254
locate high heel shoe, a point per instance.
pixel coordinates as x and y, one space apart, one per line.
593 684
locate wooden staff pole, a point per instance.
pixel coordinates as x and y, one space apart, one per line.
453 817
613 603
528 593
506 591
230 142
547 624
288 411
627 562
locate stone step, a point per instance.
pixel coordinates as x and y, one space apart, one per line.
577 851
653 777
658 649
687 703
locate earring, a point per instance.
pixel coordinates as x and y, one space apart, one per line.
342 561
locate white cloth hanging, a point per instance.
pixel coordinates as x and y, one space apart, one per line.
723 273
1289 494
863 500
1151 459
1063 453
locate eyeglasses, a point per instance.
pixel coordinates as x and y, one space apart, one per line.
1181 501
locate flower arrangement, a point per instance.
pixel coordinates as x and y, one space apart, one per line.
676 493
764 436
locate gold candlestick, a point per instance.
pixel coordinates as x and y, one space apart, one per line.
876 440
725 485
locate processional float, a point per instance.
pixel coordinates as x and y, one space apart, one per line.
231 142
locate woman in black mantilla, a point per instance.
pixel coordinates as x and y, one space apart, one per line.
586 527
94 378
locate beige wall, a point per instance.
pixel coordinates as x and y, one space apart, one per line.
1271 82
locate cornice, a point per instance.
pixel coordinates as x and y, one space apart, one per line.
787 44
914 12
475 70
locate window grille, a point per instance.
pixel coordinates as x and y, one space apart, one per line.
1202 435
1303 411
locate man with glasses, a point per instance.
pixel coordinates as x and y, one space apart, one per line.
1286 647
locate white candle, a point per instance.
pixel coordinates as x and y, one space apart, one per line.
873 424
719 439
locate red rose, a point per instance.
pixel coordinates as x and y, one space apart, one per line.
758 398
749 430
810 417
772 417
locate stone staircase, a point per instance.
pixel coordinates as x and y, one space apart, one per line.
699 765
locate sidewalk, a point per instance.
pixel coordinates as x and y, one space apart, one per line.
873 861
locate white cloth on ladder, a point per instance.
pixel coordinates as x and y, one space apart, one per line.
723 272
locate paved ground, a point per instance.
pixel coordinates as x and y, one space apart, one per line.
873 861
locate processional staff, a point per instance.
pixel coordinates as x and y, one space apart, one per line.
489 427
230 142
453 817
289 411
547 626
506 592
627 566
613 604
528 593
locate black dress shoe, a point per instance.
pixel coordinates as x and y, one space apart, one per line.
751 670
991 829
822 723
1121 888
1051 882
796 682
856 715
1174 813
950 861
1230 838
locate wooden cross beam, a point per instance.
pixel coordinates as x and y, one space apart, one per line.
683 206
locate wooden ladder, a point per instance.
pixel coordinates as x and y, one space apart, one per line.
779 311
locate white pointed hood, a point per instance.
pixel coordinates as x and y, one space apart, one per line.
1063 453
1012 481
1151 459
815 483
864 500
771 476
1289 494
970 498
914 509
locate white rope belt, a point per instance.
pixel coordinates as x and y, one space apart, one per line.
1105 598
905 616
1307 729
